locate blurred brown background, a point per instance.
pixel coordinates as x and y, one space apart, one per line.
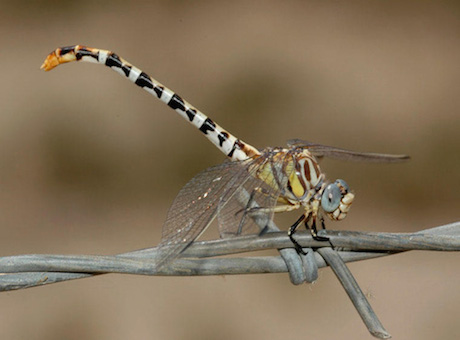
89 163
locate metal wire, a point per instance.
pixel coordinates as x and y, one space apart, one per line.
352 246
25 271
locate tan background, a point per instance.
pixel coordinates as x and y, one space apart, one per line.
89 163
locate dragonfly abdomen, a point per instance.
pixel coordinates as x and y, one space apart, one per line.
223 140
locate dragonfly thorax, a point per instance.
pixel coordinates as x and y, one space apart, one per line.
294 173
304 175
307 184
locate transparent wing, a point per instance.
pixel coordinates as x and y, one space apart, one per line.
251 207
249 210
241 194
320 150
195 207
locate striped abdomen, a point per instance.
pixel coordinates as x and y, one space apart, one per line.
223 140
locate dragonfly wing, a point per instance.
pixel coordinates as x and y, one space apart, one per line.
251 206
195 207
248 210
320 150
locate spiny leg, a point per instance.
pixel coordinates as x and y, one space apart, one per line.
277 209
252 209
291 233
310 222
323 225
314 230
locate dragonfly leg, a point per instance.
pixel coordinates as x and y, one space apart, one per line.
282 206
253 211
323 225
286 207
291 233
314 230
275 209
278 209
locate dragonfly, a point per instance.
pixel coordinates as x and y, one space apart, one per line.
246 190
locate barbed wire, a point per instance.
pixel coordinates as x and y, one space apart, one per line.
201 258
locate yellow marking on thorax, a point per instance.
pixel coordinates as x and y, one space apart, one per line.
287 167
296 186
265 174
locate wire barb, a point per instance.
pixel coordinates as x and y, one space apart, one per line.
26 271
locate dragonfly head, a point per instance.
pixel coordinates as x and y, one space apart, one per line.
336 199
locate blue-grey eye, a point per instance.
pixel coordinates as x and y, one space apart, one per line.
343 184
330 200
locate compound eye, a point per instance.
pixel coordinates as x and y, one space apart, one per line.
343 184
330 200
